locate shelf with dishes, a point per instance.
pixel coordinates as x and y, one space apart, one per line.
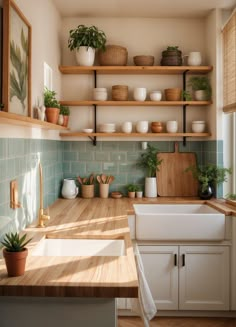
139 135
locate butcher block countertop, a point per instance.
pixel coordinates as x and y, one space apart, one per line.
85 276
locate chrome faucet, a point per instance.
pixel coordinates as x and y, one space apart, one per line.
41 216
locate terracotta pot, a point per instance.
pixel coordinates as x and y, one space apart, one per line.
52 115
65 121
15 262
131 195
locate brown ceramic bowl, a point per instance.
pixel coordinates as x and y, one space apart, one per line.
143 60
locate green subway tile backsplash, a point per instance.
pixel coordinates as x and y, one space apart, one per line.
67 159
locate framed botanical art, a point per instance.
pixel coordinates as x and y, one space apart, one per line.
16 60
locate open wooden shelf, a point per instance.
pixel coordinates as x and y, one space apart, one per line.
14 119
80 134
165 70
134 103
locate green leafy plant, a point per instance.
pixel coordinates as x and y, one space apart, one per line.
150 161
14 243
231 196
172 48
86 36
86 180
50 100
64 110
200 83
19 70
186 96
209 175
132 188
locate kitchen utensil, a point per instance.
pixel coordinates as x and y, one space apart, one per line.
172 180
80 180
111 179
103 178
99 179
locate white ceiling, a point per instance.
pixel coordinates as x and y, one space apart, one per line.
140 8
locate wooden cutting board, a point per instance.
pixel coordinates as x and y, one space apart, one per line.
171 179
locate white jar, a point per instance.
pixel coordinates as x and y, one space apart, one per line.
85 56
172 126
142 126
100 94
140 93
194 59
198 126
126 127
69 189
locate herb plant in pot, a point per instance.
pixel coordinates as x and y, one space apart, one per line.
15 253
201 87
131 190
149 160
52 106
65 111
209 176
85 40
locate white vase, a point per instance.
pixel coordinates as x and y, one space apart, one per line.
150 187
69 189
85 56
194 59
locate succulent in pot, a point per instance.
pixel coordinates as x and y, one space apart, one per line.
52 106
85 40
65 111
132 188
15 253
149 160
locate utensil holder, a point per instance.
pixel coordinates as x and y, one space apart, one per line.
87 191
103 190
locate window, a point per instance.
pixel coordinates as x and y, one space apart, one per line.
229 61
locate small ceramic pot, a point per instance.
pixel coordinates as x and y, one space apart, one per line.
194 59
126 127
172 126
198 126
140 93
85 56
142 126
100 94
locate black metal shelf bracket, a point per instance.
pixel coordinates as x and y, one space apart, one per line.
184 107
94 139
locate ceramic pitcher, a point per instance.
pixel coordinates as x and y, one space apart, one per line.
69 189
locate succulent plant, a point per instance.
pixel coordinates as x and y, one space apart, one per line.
14 243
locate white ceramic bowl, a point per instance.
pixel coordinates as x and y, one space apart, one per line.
87 130
107 127
172 126
100 94
140 93
198 126
155 95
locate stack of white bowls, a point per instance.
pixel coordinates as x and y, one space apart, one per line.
107 128
100 94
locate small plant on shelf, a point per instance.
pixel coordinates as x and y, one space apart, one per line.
15 253
132 188
201 87
65 111
52 106
186 96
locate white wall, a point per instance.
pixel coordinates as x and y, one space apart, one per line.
45 21
139 36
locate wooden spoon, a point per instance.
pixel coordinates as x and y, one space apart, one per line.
85 180
111 179
99 179
91 179
103 178
80 180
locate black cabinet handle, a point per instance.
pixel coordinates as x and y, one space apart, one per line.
175 259
183 260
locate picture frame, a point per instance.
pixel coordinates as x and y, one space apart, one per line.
16 60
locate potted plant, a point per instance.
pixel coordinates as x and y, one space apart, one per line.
15 253
85 40
65 112
149 160
201 87
87 186
172 56
208 177
52 106
139 192
131 188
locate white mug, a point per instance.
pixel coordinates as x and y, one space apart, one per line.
126 127
172 126
140 93
142 126
194 59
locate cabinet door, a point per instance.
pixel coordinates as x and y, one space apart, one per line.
204 278
121 303
161 271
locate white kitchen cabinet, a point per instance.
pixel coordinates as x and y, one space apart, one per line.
187 277
161 271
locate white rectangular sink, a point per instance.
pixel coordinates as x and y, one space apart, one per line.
178 222
79 247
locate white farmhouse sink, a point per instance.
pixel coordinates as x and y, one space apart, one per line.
178 222
79 247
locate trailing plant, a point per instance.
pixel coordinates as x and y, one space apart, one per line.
200 83
19 70
86 180
149 160
64 110
209 175
14 243
86 36
50 100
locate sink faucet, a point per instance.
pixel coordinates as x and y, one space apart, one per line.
41 216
